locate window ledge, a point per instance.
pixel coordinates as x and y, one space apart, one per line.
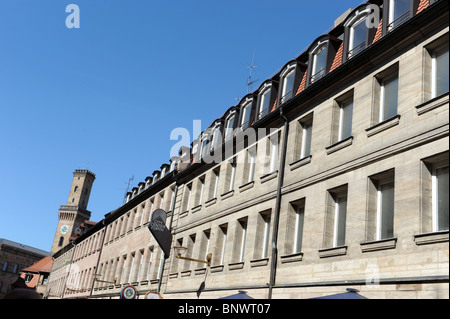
431 238
235 266
246 186
211 202
218 268
184 214
186 273
259 262
333 252
196 208
173 275
291 258
269 177
227 195
300 162
433 104
379 245
339 145
380 127
200 271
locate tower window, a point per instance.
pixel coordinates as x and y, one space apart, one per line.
61 240
76 189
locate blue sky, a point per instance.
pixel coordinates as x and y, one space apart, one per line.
106 96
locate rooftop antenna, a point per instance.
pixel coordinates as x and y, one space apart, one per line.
251 67
128 187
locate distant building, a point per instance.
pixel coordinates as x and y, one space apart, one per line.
74 215
15 257
36 276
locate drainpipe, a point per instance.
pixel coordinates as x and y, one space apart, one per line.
276 218
170 229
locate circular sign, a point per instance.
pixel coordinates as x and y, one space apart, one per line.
128 292
153 295
64 229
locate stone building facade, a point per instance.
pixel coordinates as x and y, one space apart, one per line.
332 175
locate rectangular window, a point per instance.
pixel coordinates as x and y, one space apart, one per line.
274 147
263 234
440 197
205 148
381 206
440 70
345 119
386 95
231 175
222 242
187 197
306 139
240 238
298 234
251 155
216 174
389 98
337 216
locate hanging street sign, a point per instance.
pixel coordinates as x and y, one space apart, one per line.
157 227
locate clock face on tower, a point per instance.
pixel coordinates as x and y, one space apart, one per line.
64 229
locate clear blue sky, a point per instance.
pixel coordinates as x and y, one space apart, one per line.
107 95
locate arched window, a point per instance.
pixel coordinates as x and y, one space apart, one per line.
76 189
61 241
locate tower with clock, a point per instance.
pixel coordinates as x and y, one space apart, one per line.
74 213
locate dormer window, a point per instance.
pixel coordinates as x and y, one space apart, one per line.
287 83
359 30
229 127
399 12
246 113
205 147
216 137
358 37
264 102
319 61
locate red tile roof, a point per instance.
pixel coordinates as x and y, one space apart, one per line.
423 5
43 265
379 33
338 58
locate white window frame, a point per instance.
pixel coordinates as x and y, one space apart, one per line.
435 191
246 108
380 213
228 130
289 71
298 233
338 214
321 46
265 94
306 135
434 84
342 106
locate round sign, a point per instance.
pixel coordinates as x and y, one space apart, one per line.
153 295
128 292
64 229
